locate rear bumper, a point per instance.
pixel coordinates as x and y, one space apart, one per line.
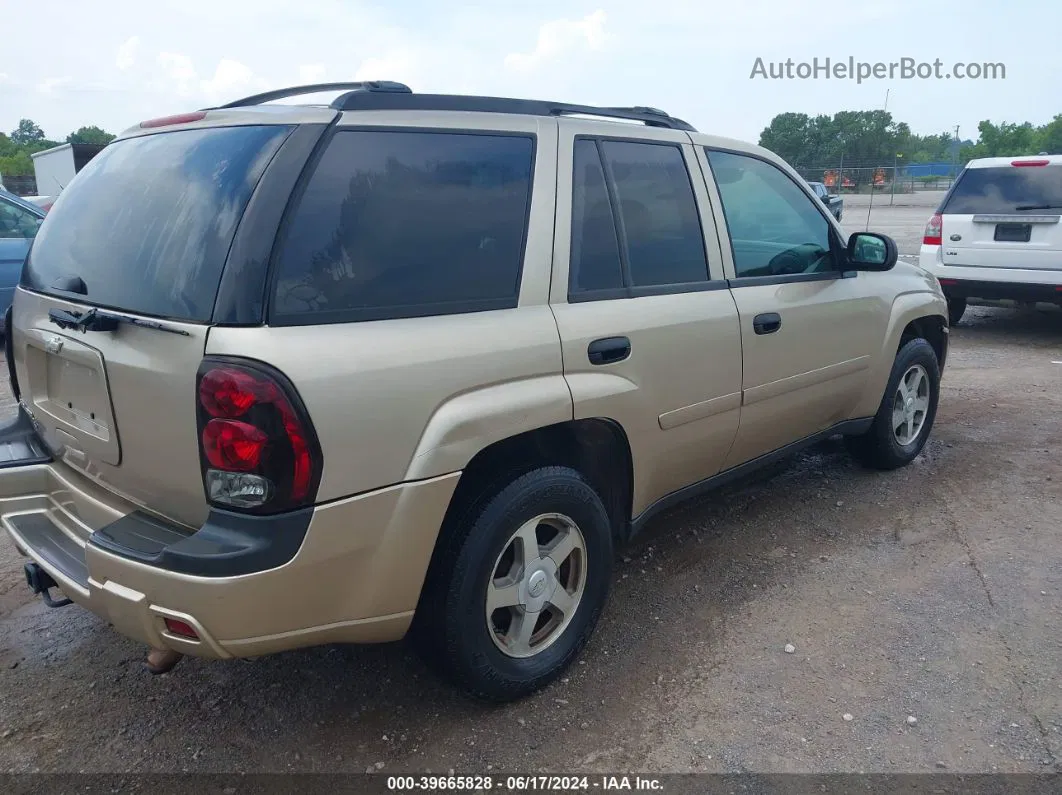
351 574
1001 292
995 285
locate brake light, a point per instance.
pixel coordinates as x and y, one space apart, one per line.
258 447
934 233
1021 163
180 118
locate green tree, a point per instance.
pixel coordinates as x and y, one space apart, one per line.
1051 136
27 133
89 135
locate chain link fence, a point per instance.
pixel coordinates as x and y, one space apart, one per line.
21 185
881 179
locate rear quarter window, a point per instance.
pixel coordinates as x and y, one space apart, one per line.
1005 189
406 224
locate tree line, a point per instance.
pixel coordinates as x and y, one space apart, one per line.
874 138
28 138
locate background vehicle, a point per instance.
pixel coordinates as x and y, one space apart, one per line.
997 237
54 168
44 202
833 202
424 362
19 221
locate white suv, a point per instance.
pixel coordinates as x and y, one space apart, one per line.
996 238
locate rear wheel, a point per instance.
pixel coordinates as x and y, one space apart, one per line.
956 308
518 585
908 408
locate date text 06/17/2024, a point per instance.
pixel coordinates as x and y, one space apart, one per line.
523 783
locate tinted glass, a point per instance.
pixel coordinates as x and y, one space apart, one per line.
776 229
595 259
401 224
17 222
663 232
1006 189
148 222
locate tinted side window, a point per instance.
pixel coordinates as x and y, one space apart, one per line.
17 222
405 224
595 256
665 244
776 229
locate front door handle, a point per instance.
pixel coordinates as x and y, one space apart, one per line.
608 350
767 323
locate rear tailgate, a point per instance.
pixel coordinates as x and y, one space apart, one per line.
1005 216
140 237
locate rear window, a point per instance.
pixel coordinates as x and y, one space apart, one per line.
147 224
1006 189
406 224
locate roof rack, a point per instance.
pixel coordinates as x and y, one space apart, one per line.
361 99
384 86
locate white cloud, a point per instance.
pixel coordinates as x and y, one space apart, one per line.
310 73
231 80
49 84
399 65
127 52
179 69
561 36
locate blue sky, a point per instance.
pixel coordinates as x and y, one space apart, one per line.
115 62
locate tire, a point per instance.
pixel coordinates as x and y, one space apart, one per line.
956 309
883 447
453 628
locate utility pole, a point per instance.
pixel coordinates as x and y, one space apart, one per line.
955 154
895 175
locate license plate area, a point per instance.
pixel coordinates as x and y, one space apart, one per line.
70 399
1013 233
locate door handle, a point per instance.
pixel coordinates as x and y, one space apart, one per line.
767 323
608 350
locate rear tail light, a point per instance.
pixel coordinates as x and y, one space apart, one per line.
949 282
257 446
934 231
1021 163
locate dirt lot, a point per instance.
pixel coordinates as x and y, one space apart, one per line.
932 592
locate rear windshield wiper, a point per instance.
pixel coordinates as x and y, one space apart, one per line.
95 320
1039 207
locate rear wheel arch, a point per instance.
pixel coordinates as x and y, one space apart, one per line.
598 448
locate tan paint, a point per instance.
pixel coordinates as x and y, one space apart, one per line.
402 406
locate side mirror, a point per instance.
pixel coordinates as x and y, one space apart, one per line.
869 251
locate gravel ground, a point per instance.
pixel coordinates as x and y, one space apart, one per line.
821 618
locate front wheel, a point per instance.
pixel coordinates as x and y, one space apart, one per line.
908 408
518 585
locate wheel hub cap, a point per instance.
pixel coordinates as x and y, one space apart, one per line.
911 405
536 585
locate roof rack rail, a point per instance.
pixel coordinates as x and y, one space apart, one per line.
386 86
377 100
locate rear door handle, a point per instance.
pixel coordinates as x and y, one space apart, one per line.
767 323
609 350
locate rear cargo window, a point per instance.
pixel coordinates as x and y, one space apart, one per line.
406 224
146 225
1007 189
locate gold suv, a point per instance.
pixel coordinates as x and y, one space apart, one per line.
303 374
